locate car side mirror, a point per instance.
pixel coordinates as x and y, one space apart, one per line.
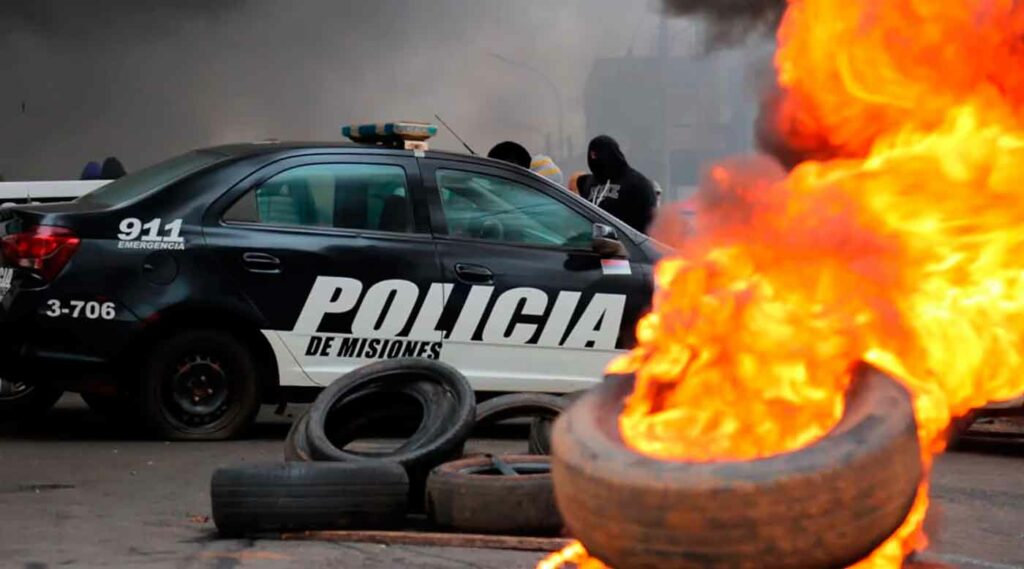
605 242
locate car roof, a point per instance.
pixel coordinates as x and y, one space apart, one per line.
246 149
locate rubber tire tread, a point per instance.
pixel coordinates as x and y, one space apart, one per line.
493 504
296 447
826 505
299 496
539 441
442 440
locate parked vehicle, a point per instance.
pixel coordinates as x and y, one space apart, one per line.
196 289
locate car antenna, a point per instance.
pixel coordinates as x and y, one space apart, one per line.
438 117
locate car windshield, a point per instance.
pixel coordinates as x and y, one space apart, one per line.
151 178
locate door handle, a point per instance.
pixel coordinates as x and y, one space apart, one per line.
474 274
261 263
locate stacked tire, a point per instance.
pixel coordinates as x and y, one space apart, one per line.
325 483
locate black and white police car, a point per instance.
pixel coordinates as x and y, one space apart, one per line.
203 286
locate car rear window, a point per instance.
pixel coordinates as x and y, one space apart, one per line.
140 183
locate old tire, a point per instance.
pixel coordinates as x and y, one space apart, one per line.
519 405
540 427
20 402
827 505
296 447
297 496
447 403
470 496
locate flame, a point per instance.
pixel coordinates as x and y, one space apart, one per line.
902 248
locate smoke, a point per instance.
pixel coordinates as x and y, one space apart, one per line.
731 21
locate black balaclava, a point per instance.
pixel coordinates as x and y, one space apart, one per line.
511 152
605 159
112 169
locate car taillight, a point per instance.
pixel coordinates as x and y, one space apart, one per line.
43 249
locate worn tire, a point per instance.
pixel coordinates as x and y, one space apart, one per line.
448 405
30 403
296 447
540 427
461 497
516 406
216 350
308 496
827 505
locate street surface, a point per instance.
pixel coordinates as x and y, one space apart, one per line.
77 491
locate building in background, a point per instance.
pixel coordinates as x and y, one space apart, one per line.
687 108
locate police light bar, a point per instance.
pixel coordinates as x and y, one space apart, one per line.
404 134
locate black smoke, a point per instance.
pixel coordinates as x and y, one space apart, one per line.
731 21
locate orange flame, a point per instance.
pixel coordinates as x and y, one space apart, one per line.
904 250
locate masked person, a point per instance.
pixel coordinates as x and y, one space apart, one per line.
511 152
617 188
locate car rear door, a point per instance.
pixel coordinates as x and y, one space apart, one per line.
533 307
335 254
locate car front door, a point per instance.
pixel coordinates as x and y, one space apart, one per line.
533 307
333 253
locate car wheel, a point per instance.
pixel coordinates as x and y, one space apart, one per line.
633 510
308 496
200 385
21 401
473 495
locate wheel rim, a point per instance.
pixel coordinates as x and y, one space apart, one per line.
197 394
10 390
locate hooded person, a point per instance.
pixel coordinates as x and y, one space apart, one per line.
617 188
91 171
511 152
112 169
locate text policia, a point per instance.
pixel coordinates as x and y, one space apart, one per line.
393 319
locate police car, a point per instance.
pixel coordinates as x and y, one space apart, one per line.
201 287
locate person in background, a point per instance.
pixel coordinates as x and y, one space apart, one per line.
617 188
112 169
579 184
545 167
91 171
511 152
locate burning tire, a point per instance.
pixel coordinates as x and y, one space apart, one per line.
827 505
474 495
308 496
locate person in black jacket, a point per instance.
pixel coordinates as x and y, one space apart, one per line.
617 188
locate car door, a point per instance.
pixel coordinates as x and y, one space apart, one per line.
533 307
332 253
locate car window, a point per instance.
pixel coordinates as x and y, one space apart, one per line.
153 177
347 196
478 206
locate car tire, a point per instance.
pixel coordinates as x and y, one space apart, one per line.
826 505
296 447
448 412
21 402
539 441
200 385
538 406
297 496
471 496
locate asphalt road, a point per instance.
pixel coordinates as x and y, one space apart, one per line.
77 491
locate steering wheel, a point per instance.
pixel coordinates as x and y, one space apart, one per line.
492 229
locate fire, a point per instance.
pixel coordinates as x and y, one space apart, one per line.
899 245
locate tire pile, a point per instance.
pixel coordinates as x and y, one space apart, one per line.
324 485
